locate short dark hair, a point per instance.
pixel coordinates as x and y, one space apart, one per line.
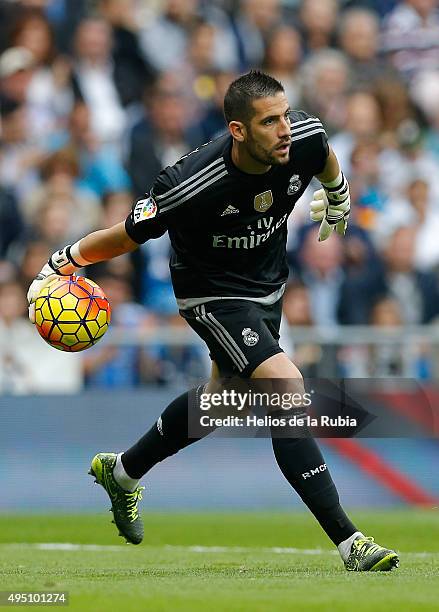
241 93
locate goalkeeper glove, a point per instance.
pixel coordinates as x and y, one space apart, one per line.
331 206
64 262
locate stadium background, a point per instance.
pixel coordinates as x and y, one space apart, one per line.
95 98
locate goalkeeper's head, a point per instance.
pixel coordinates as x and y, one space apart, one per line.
258 116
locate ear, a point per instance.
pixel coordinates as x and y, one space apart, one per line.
238 130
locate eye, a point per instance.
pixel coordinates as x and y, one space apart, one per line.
268 121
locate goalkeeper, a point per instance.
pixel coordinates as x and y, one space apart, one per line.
225 207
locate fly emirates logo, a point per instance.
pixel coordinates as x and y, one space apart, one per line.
255 236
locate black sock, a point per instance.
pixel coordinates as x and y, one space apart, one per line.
302 464
165 438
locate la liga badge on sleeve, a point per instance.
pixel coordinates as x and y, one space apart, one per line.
144 209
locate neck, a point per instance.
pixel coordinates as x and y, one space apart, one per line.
244 162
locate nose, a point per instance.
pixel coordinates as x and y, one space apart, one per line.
284 127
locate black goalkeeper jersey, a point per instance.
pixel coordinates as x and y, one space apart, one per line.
228 229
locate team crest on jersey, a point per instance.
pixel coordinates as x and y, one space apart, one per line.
250 337
295 184
263 201
144 209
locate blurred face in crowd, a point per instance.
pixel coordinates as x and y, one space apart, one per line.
363 115
181 10
34 33
394 102
332 77
321 258
80 125
400 249
117 206
93 41
262 13
365 160
12 302
54 220
201 47
168 109
423 7
283 50
296 306
359 35
118 11
318 18
168 116
266 138
35 253
418 194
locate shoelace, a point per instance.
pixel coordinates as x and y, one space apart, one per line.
132 500
361 543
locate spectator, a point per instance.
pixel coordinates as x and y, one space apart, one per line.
59 173
32 254
253 23
297 313
162 136
424 91
48 95
176 362
409 160
213 123
416 292
366 186
11 222
326 81
318 20
174 26
117 366
94 81
131 69
116 207
282 60
19 158
411 37
358 34
418 209
100 165
376 361
322 273
396 108
54 222
362 124
16 71
343 279
25 357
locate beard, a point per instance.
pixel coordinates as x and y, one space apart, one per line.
265 156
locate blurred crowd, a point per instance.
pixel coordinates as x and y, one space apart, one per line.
97 96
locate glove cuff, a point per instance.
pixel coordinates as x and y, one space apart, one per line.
62 263
337 190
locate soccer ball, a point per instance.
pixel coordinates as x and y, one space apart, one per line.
72 313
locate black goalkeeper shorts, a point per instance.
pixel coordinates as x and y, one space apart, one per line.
240 334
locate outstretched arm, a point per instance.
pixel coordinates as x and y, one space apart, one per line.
97 246
106 244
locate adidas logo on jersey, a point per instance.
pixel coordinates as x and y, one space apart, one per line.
230 210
